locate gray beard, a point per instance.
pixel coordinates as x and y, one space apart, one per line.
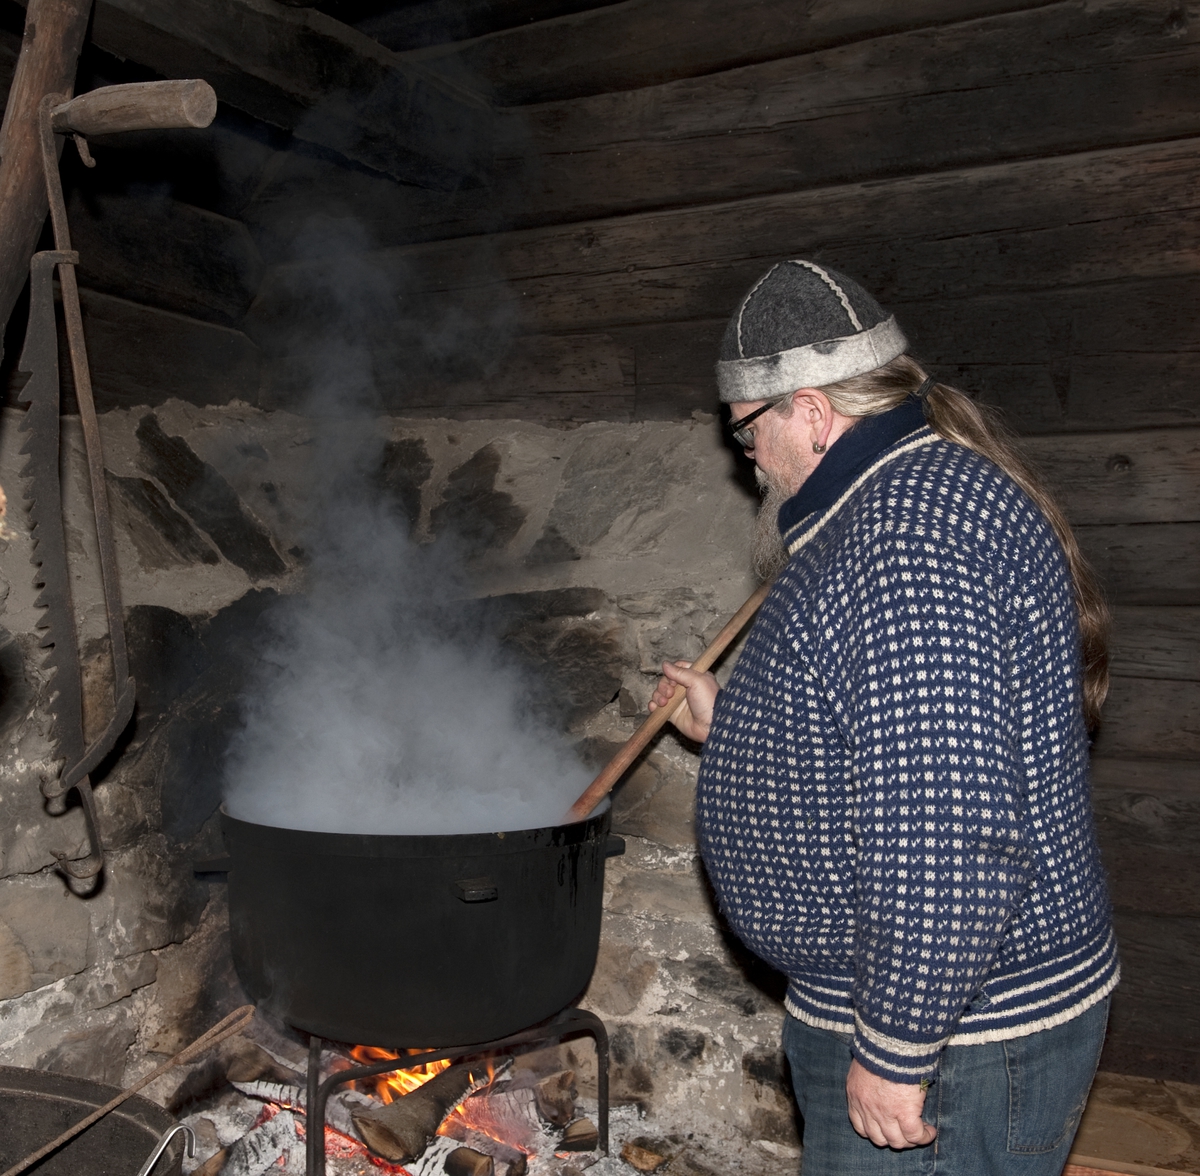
768 556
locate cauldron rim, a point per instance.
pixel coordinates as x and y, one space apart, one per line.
414 845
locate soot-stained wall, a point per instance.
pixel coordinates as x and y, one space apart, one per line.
585 543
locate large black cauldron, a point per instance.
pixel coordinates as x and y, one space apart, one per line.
415 941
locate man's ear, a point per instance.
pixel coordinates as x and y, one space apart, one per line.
814 414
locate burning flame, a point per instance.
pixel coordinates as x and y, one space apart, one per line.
389 1087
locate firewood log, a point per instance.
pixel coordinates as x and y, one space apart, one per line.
556 1097
644 1159
401 1131
465 1161
247 1061
213 1165
579 1136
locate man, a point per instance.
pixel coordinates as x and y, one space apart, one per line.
893 802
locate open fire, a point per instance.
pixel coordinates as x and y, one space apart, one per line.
486 1118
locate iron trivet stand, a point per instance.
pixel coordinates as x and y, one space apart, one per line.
567 1022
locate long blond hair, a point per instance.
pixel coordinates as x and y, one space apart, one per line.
958 418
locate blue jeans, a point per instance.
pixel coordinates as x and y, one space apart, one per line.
1006 1109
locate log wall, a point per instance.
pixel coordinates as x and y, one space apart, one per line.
1017 181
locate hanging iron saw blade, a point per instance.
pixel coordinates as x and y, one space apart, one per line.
43 493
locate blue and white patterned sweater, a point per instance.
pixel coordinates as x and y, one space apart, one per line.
893 804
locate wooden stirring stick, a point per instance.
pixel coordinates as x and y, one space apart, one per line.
234 1023
600 787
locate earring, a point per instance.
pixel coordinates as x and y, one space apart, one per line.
818 448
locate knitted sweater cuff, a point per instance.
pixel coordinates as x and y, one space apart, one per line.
892 1058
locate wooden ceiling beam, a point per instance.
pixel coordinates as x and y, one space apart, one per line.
307 73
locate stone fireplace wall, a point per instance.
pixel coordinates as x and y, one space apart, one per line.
610 546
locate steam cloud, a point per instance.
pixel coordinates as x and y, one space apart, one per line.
377 705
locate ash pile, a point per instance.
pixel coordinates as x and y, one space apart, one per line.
481 1117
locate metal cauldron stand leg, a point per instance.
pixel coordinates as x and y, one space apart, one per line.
567 1022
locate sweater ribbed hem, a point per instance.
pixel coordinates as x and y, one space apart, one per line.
1017 1004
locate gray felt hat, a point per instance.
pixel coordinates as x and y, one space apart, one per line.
803 326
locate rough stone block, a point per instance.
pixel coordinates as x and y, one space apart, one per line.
631 1079
657 801
190 674
736 981
473 509
768 1095
121 814
622 975
670 626
16 968
404 469
161 535
148 900
16 689
93 1044
196 986
573 655
48 924
113 981
610 474
684 1045
207 498
165 657
663 896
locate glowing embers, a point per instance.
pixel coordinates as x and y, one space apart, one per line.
482 1118
500 1114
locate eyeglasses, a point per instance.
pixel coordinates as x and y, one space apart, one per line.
740 433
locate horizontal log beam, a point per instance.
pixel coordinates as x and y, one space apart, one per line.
143 356
1150 718
582 377
1055 80
298 69
1152 476
166 254
1148 563
1121 355
1171 780
988 230
1156 643
646 42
